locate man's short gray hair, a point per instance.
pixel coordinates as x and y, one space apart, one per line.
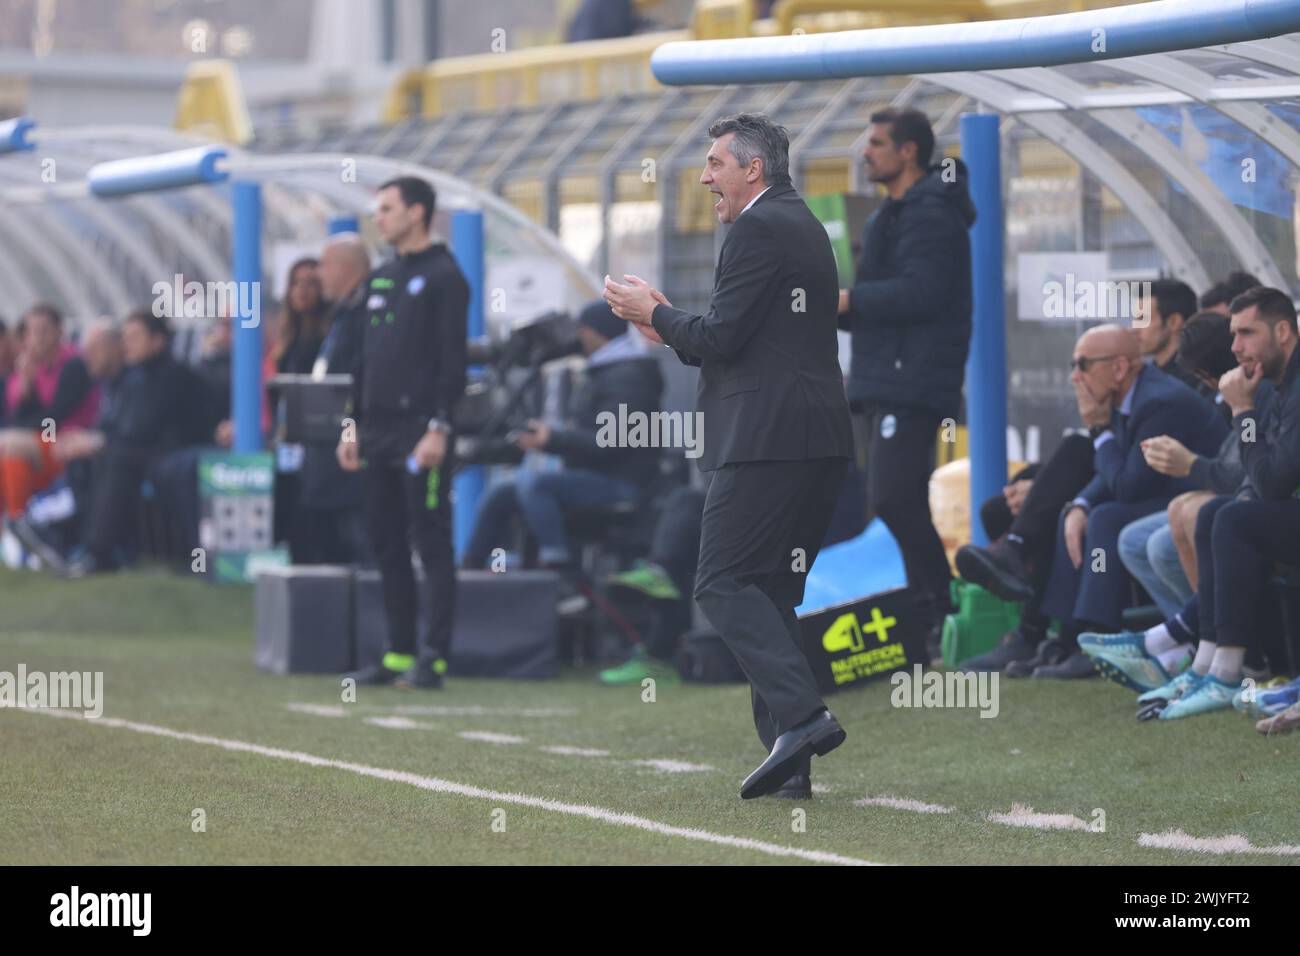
756 135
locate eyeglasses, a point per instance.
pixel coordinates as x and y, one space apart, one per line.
1083 361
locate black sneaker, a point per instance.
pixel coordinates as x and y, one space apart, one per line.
423 676
1050 652
1014 646
998 569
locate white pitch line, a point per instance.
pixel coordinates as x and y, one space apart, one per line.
1022 816
397 723
564 751
436 785
474 710
672 766
488 737
318 710
902 803
1233 843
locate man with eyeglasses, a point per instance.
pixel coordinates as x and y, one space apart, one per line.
1064 563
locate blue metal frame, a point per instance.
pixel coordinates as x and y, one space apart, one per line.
138 174
986 368
1105 34
467 246
246 358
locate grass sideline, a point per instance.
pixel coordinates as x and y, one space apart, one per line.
177 652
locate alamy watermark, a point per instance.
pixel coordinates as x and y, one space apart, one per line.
208 300
62 690
1089 299
75 908
927 689
637 429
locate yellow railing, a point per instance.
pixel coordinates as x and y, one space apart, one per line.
582 71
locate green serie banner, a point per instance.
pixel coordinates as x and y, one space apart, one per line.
236 512
833 212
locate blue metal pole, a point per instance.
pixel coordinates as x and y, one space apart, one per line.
339 224
13 134
1083 37
136 174
246 364
986 368
467 246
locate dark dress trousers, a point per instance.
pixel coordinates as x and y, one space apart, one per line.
777 439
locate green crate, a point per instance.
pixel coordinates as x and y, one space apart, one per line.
978 624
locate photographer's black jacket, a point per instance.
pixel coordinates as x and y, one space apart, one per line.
413 354
636 383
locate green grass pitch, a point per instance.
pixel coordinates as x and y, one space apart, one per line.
176 653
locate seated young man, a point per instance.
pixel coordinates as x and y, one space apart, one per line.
1239 537
1150 547
1124 402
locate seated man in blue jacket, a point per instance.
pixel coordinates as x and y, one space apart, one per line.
1123 401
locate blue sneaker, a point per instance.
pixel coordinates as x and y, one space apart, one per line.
1210 694
1090 641
1261 702
1123 658
1173 690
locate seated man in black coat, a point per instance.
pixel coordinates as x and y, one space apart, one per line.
157 406
618 372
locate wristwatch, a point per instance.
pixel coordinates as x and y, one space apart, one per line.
439 425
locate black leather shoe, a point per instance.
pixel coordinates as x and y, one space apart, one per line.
819 734
1014 646
997 568
798 787
1050 652
1073 667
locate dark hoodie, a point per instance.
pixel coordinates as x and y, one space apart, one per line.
910 305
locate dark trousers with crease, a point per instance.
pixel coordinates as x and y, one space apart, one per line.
763 525
402 509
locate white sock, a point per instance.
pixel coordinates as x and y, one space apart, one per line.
1226 665
1175 660
1204 655
1158 641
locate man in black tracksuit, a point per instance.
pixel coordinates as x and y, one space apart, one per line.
910 315
406 385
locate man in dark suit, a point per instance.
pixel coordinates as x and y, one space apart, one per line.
777 434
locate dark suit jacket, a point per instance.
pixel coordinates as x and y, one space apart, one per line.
1162 405
770 382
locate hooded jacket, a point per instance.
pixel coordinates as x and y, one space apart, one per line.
910 305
